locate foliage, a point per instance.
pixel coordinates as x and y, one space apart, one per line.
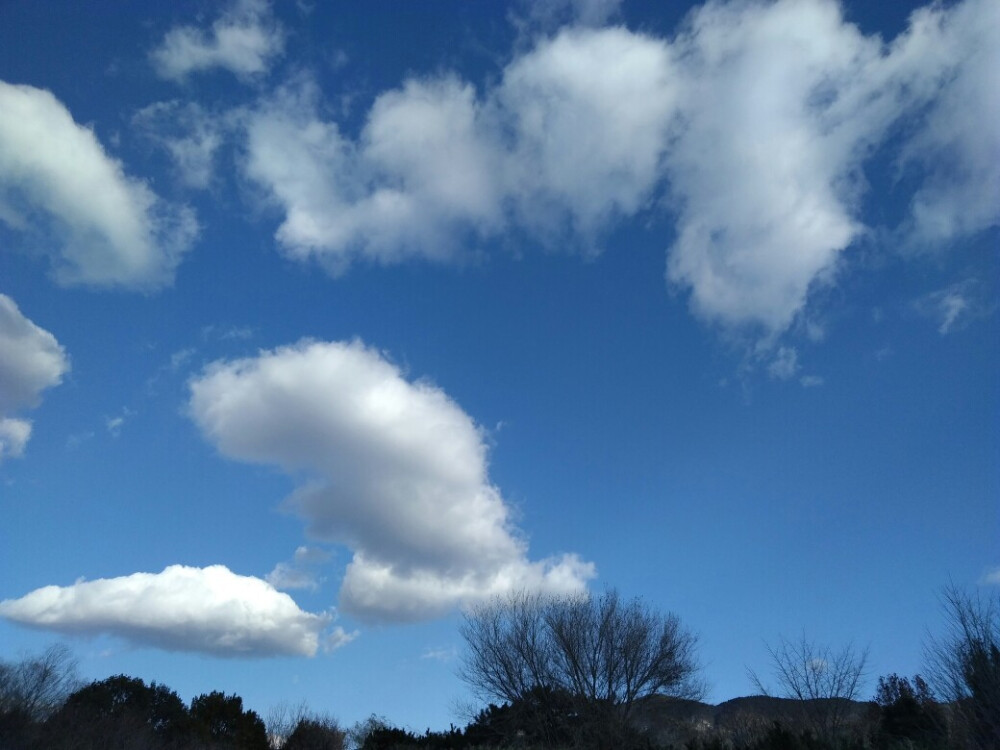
315 734
220 720
910 717
121 710
964 665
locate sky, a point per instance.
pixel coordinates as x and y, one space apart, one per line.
321 323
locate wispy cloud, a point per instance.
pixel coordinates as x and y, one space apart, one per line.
992 577
955 306
301 572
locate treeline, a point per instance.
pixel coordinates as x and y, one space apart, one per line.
589 673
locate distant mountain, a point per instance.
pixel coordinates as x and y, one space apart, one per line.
675 719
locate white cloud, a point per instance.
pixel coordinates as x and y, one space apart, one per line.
811 381
956 53
440 654
244 40
31 360
114 424
14 435
397 472
765 170
590 111
189 134
956 305
432 165
106 228
754 125
785 363
210 610
301 572
549 14
421 177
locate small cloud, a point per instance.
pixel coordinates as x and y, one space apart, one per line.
955 306
785 364
992 577
337 638
301 573
114 424
243 40
189 134
180 358
14 434
76 440
818 665
227 333
440 654
811 381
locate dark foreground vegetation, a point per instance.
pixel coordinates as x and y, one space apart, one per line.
582 674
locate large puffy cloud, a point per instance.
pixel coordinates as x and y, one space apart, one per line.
398 472
783 103
31 360
590 111
423 174
956 52
435 163
763 173
210 610
106 227
755 121
244 40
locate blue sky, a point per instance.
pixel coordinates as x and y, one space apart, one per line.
320 322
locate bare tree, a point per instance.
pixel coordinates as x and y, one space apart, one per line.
38 685
509 651
616 652
964 665
823 680
599 650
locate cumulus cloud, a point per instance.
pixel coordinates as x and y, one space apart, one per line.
395 470
421 177
244 40
957 53
432 165
209 610
31 360
590 110
104 227
753 125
